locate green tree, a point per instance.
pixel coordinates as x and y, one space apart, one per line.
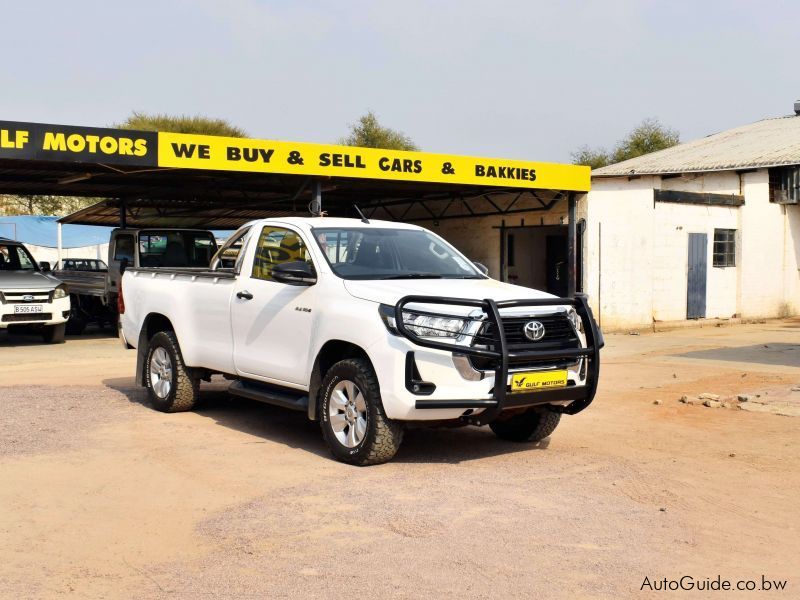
180 124
649 136
369 133
43 205
594 158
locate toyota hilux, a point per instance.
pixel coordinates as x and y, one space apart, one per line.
366 326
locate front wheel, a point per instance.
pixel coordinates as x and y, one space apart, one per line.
170 384
531 426
352 418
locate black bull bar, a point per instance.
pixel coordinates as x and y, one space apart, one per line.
580 396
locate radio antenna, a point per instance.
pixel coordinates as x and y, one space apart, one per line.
361 214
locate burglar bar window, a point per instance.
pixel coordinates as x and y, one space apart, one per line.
784 185
724 247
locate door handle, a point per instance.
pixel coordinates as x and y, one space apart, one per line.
244 295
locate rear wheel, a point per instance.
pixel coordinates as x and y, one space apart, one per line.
170 383
352 418
54 334
531 426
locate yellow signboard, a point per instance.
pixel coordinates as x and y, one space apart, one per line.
91 145
294 158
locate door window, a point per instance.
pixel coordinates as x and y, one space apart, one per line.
277 245
231 255
123 249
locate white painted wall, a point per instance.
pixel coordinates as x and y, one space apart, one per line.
619 251
637 273
45 253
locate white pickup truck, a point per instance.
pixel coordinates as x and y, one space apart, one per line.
366 326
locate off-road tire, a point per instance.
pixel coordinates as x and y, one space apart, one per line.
54 334
531 426
383 435
184 389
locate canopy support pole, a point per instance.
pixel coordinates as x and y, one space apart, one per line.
58 244
316 199
572 244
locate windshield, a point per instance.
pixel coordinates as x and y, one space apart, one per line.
15 258
376 253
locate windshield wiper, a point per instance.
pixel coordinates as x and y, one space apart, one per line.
414 276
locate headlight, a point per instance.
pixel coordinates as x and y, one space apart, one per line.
423 325
576 321
60 292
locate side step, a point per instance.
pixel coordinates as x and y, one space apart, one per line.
270 394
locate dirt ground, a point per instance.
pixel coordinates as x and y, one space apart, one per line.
102 497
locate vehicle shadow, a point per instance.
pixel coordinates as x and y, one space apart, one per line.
430 445
30 336
290 428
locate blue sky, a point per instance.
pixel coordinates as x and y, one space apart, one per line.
529 80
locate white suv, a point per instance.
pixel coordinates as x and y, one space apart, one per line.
29 295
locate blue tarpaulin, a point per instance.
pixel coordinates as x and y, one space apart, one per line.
43 231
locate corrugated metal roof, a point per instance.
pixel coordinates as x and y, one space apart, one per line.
767 143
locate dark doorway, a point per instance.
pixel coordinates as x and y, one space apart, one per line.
696 284
556 264
536 257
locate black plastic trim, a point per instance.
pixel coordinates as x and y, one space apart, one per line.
414 382
263 392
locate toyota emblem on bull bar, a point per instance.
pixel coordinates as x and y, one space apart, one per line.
533 330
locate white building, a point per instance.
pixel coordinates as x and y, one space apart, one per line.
706 229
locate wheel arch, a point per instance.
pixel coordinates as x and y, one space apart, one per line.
152 324
331 352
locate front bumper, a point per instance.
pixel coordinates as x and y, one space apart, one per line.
53 312
481 408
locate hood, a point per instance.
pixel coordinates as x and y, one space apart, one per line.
391 291
26 280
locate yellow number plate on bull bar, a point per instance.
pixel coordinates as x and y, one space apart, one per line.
538 380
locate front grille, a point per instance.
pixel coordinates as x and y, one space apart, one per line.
558 334
557 328
17 297
27 317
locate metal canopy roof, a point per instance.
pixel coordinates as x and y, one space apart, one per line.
229 181
768 143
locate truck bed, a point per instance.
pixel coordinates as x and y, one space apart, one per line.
88 283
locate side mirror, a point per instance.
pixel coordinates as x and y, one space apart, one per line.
123 264
481 267
297 272
45 266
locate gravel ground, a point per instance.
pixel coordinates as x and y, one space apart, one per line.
462 530
102 497
39 419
